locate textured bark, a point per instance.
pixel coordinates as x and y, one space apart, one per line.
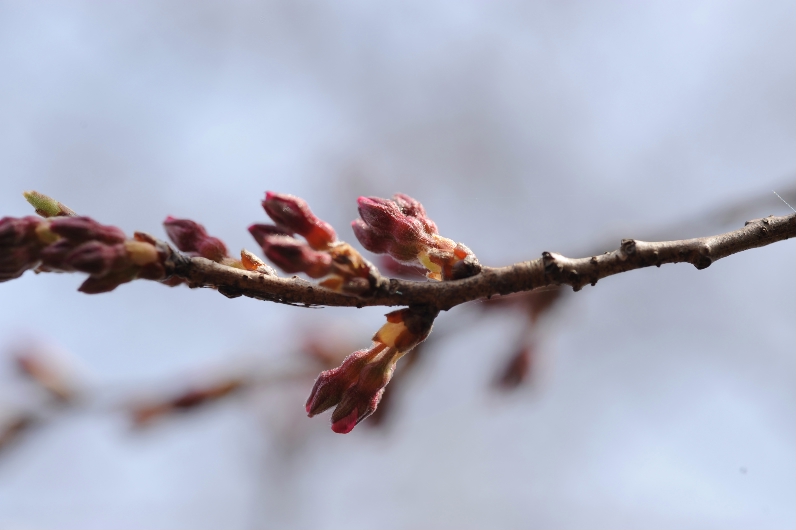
550 269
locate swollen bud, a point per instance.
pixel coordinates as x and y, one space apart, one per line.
400 228
191 237
294 215
356 387
292 256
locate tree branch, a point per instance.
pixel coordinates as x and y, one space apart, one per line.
550 269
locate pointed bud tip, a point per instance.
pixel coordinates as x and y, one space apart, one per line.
346 424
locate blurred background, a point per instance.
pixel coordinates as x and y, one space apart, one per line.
659 398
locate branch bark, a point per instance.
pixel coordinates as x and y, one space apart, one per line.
550 269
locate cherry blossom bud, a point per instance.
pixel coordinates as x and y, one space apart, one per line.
413 208
15 261
369 238
331 384
260 231
53 256
361 400
400 228
357 385
106 283
79 229
191 237
94 257
17 231
291 255
293 214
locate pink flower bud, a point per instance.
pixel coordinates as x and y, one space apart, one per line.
358 408
260 231
400 228
293 214
107 283
96 258
413 208
369 238
53 256
79 229
291 255
17 231
16 260
362 399
331 384
191 237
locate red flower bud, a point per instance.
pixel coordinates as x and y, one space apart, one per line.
191 237
260 231
330 385
358 408
79 229
17 231
291 255
16 260
96 258
400 228
107 283
294 215
413 208
53 256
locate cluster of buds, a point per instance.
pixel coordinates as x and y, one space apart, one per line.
400 228
78 244
321 256
356 386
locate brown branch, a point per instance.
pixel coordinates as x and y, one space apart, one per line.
551 269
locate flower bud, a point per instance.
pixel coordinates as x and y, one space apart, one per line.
291 255
330 385
356 386
106 283
260 231
53 256
400 228
294 215
80 229
369 238
413 208
95 258
15 261
191 237
17 231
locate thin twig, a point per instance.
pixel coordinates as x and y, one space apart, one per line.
551 269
